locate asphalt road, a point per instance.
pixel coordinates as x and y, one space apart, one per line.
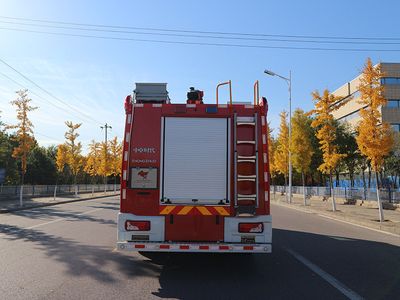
67 252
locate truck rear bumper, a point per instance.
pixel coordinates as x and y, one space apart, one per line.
194 247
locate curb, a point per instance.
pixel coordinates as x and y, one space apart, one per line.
9 210
347 220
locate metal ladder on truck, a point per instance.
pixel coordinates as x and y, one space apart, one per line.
246 158
246 165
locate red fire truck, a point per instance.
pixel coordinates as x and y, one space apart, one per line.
195 176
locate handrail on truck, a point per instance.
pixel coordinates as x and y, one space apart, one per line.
256 92
230 90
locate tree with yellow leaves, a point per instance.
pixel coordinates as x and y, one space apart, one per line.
301 146
105 166
61 158
324 105
271 152
271 156
281 157
92 165
24 133
115 158
375 138
73 150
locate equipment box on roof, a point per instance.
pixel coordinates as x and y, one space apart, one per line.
151 92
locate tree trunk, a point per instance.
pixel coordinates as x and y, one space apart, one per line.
304 188
381 217
286 194
21 192
312 180
337 178
273 186
55 192
364 184
351 174
369 177
332 192
55 188
76 186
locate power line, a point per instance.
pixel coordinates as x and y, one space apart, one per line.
202 32
39 96
206 36
44 135
32 92
204 43
47 92
51 103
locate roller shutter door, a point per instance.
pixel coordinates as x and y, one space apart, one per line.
195 160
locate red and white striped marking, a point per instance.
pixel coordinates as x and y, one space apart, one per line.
193 247
194 105
127 138
264 130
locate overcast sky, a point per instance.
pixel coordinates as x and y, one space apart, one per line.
91 76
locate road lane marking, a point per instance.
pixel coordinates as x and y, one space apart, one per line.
327 277
339 238
61 219
58 220
338 220
55 221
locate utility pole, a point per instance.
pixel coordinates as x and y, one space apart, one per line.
105 127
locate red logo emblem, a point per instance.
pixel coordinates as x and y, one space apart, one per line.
143 174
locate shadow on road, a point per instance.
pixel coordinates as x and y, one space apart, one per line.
371 269
54 211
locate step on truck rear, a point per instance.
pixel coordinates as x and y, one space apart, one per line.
195 176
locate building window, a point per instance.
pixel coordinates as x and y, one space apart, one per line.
396 127
393 103
349 117
390 80
352 96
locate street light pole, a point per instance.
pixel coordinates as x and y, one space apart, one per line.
289 82
290 136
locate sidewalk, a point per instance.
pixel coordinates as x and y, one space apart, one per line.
356 214
13 205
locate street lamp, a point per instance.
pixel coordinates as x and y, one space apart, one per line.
289 82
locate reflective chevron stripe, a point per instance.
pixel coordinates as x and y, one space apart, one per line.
194 210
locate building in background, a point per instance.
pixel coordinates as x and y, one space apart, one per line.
390 112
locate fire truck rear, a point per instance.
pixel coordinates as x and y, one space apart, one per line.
195 176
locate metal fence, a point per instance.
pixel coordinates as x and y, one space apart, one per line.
351 194
7 192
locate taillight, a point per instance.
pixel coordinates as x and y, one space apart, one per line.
251 227
137 225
